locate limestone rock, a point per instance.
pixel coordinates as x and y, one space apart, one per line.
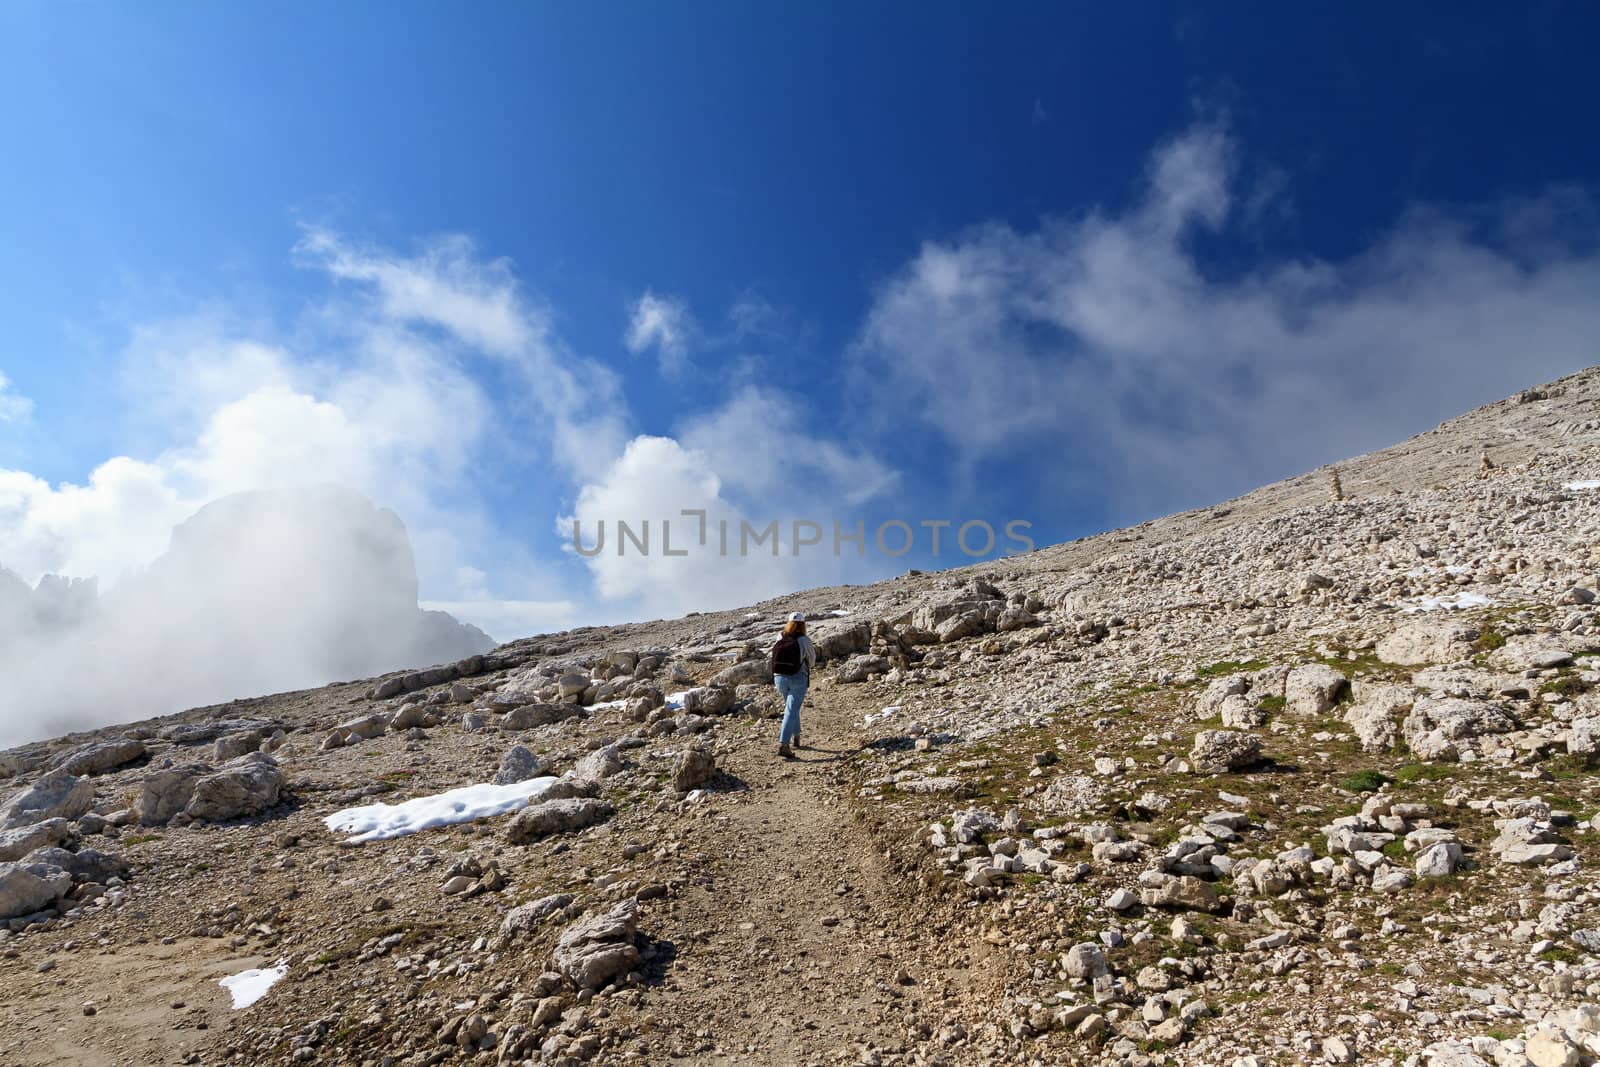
1313 689
1217 751
246 786
538 821
600 764
102 756
519 765
1428 641
166 791
598 948
18 841
56 795
694 766
529 716
860 668
29 887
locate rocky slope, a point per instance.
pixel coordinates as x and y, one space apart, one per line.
1303 777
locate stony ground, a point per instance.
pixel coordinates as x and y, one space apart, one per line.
1307 776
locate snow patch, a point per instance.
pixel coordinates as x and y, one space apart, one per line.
247 987
675 700
1587 483
879 716
1451 603
378 822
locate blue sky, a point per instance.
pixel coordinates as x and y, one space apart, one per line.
501 265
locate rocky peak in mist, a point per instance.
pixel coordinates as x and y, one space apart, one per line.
258 592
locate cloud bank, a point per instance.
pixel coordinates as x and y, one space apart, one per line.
1149 375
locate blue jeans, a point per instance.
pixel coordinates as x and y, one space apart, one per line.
793 687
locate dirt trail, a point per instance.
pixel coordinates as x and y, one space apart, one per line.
799 944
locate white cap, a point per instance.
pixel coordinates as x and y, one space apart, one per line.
797 616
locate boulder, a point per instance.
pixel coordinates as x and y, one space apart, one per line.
22 760
1313 689
572 685
598 948
1525 652
708 699
410 717
1210 702
1375 716
1583 736
694 766
389 687
192 733
1551 1048
1014 618
519 765
1085 963
56 795
364 728
600 764
102 756
1241 713
232 746
1438 860
538 821
751 670
960 626
860 668
1217 751
21 840
529 716
1435 725
1528 842
1428 641
29 887
1186 893
85 865
166 790
840 640
524 918
246 786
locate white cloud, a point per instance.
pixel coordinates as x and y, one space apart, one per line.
1110 349
13 407
665 324
406 383
750 460
653 482
479 304
758 444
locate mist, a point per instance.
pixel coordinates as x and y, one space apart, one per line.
258 592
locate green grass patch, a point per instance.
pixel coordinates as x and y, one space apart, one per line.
1364 782
1230 666
1489 639
1273 703
1412 773
1568 685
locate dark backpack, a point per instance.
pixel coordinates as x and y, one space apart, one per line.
786 657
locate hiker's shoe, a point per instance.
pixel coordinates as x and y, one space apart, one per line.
786 752
796 742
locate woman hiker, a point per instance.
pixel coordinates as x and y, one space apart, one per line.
792 659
